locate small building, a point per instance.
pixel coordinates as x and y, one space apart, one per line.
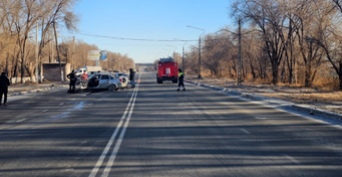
51 71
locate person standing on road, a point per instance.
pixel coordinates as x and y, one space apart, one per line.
131 77
84 78
72 77
4 83
180 80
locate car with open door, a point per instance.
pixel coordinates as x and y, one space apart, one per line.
104 81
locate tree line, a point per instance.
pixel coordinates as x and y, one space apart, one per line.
296 42
29 37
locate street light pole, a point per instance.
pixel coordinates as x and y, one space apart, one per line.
239 67
183 68
183 57
199 52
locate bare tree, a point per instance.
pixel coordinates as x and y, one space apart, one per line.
191 60
338 4
19 20
336 63
27 14
213 54
269 16
252 56
303 21
52 13
24 13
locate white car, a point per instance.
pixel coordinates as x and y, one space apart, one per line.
104 81
123 79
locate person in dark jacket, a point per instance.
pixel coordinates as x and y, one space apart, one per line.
72 83
180 80
4 83
131 77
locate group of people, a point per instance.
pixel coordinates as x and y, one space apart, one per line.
84 78
4 82
73 79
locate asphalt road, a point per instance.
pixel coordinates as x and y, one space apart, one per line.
153 130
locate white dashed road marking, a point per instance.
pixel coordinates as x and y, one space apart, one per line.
293 160
245 131
21 120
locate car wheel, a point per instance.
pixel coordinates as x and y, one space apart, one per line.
111 88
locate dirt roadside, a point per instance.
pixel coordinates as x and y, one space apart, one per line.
21 89
307 97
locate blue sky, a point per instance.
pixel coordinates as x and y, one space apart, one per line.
149 19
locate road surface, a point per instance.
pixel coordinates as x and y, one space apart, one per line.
153 130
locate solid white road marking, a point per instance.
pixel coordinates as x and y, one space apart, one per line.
128 111
118 143
111 140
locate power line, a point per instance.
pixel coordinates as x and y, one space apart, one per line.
134 39
151 40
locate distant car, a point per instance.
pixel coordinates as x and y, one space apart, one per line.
104 81
123 77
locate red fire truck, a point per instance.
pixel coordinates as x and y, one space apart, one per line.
167 69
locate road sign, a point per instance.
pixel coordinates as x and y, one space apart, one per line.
94 55
103 55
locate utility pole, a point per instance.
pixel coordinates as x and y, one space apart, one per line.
239 56
199 51
73 52
50 48
36 53
199 59
58 58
